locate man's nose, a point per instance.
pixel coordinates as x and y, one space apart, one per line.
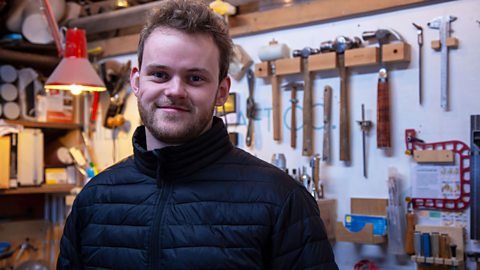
176 87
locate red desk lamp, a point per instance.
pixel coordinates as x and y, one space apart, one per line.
74 72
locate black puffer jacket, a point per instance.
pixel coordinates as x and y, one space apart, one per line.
201 205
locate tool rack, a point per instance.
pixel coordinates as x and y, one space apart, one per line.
456 235
363 206
366 56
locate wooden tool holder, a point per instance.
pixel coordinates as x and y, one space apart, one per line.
391 53
456 234
452 43
328 214
362 206
287 66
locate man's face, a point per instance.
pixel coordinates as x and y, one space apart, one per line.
178 87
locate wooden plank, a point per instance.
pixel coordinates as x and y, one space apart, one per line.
117 46
57 188
310 12
328 213
373 207
322 61
52 125
301 14
396 52
288 66
434 156
361 56
263 70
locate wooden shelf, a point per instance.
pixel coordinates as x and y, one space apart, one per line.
44 124
47 189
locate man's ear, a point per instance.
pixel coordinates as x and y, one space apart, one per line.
223 91
134 80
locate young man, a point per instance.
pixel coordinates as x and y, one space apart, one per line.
187 199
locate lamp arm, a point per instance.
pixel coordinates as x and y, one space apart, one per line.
52 24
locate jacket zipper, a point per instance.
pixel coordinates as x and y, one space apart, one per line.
155 259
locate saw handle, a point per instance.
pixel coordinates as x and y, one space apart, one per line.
383 114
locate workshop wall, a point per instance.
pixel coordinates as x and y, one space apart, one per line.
341 180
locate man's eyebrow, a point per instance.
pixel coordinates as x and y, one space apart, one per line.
154 66
201 70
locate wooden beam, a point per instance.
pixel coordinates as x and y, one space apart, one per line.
316 11
311 12
117 46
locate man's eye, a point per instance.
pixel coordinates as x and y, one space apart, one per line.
160 75
196 78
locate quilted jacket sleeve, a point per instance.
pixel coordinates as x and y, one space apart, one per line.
299 240
69 257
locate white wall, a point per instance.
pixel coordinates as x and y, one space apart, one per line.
343 181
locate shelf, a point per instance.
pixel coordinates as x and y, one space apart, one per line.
43 124
46 189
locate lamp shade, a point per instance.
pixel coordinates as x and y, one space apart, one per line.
74 72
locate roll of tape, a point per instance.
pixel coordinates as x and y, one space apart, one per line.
8 73
8 92
11 110
273 52
35 29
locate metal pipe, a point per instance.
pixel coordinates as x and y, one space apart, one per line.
475 178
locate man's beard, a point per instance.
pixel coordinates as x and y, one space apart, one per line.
183 132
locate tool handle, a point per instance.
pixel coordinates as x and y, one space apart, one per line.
327 113
293 124
426 244
383 114
307 111
344 117
276 108
316 175
409 236
248 139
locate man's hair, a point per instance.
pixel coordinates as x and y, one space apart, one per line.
190 16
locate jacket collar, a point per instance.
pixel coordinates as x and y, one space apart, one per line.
173 162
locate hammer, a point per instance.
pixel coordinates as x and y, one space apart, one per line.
270 53
382 36
339 45
293 87
304 53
